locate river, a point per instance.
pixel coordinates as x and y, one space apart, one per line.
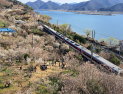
104 26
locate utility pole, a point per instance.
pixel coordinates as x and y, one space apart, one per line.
18 5
120 47
32 38
69 27
93 36
64 36
57 23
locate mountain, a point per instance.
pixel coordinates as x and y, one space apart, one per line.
50 5
65 6
88 6
116 8
84 6
109 3
58 3
36 5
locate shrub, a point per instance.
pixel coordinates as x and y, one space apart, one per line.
89 47
3 24
1 86
25 56
97 50
96 88
80 38
14 34
80 57
114 59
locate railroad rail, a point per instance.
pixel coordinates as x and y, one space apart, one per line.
85 52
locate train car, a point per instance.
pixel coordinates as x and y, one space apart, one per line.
110 66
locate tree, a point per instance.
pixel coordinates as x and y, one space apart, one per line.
89 47
80 38
88 32
114 59
20 53
112 41
26 56
36 52
102 40
64 26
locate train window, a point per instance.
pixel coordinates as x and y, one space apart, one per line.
71 41
62 35
76 44
119 69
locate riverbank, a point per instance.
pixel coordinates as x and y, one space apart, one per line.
88 12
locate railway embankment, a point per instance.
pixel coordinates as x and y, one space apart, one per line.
86 42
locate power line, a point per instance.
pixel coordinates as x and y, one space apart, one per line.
84 32
106 36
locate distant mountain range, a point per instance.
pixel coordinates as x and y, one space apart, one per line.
84 6
116 8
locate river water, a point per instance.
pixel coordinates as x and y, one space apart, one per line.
104 26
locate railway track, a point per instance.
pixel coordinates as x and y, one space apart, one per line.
85 52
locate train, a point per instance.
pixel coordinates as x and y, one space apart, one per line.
82 50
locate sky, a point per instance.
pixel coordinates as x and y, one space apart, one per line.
59 1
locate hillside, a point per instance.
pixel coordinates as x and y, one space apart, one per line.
25 54
32 61
115 8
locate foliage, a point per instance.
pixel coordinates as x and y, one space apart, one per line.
114 59
89 47
42 90
73 72
112 41
26 56
96 88
37 32
1 86
80 57
71 35
77 41
97 50
15 2
3 24
64 26
46 17
3 68
70 49
102 40
80 38
25 12
88 32
8 6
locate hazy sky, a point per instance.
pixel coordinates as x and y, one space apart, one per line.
60 1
